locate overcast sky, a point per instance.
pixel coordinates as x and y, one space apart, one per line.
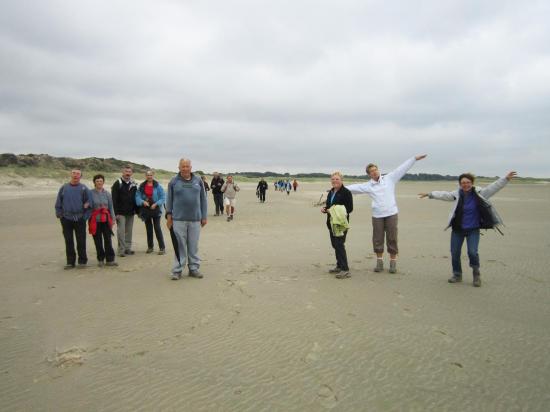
280 85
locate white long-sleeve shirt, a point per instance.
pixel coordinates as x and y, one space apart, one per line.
382 192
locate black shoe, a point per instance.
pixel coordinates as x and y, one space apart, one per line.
69 266
149 250
335 270
162 252
477 278
129 252
112 264
343 275
455 279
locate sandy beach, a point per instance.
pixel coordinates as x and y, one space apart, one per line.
268 329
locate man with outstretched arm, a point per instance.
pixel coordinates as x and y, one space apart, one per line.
381 189
186 211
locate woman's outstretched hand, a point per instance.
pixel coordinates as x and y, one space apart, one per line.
511 175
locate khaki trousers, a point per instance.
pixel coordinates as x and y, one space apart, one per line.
385 227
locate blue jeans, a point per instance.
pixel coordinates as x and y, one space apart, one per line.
472 242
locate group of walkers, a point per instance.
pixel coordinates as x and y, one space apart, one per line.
285 185
185 206
76 204
471 212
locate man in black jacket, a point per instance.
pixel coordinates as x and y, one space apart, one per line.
262 188
124 202
216 187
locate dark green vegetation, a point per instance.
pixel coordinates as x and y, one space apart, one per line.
46 166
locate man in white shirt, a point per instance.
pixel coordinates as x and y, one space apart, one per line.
381 189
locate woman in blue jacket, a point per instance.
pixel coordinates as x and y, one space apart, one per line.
150 198
471 212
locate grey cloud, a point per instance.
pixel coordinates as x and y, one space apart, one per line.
275 85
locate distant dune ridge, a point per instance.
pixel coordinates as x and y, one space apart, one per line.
51 162
55 167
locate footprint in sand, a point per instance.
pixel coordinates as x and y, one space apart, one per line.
335 326
444 334
68 358
407 312
314 354
326 397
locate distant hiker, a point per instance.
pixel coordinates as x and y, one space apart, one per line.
381 189
150 200
287 187
216 186
261 189
101 222
186 213
295 184
338 207
72 208
471 211
230 190
205 183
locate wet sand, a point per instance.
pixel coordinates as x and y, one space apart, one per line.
268 328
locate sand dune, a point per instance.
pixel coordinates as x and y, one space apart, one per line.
268 328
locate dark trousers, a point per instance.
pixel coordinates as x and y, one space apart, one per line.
472 242
77 228
218 202
338 243
104 243
262 196
150 223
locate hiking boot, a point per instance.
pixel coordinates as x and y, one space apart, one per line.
393 266
111 264
379 265
82 266
228 219
477 278
335 270
101 263
231 217
162 252
149 250
129 252
457 277
69 266
176 276
195 274
343 275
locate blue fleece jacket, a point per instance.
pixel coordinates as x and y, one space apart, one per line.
70 202
186 199
158 194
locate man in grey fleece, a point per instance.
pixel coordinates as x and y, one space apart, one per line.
72 208
186 211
